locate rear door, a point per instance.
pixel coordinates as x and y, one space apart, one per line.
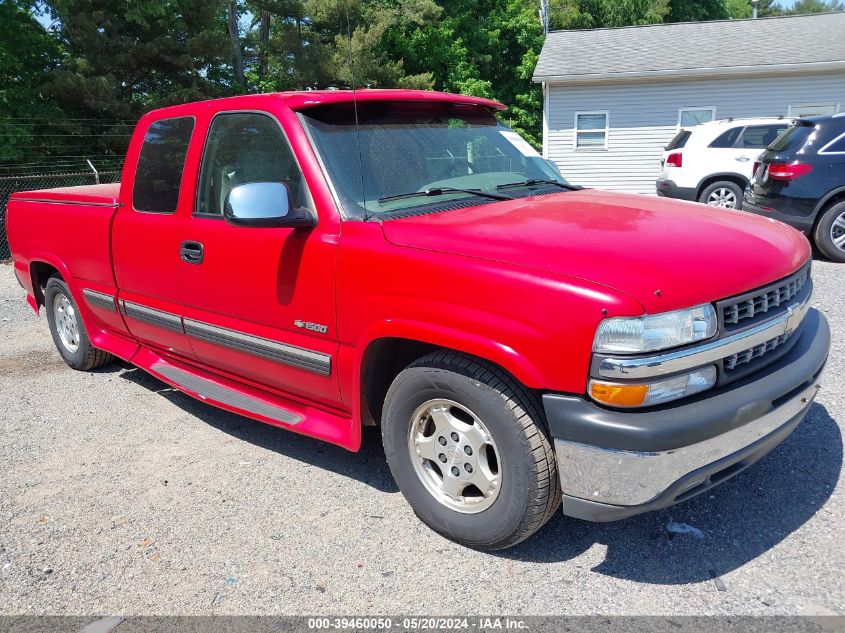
753 141
260 303
146 237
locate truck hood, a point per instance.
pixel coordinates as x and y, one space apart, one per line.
665 253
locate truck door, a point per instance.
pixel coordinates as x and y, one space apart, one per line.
146 237
260 302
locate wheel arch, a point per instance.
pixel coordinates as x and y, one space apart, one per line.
387 354
832 197
733 177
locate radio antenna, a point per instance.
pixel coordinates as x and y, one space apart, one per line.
355 109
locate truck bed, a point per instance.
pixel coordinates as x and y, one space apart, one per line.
97 195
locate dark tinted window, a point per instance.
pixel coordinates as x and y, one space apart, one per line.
244 147
794 137
727 138
837 146
761 136
160 165
678 141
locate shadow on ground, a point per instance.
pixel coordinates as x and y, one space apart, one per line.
741 519
367 466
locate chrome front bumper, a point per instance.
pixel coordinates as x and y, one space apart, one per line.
617 463
630 478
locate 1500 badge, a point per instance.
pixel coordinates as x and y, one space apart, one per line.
314 327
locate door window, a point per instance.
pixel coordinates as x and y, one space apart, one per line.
761 136
160 165
245 147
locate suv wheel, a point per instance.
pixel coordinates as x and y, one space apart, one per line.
467 447
723 194
829 235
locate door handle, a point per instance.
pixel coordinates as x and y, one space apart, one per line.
191 252
743 159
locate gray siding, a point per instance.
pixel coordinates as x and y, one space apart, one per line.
644 117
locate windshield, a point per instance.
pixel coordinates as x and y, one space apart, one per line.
401 148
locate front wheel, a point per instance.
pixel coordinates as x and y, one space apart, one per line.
67 329
723 194
467 448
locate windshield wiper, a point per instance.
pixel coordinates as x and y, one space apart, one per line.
439 191
538 181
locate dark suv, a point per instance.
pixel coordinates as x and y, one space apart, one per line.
800 180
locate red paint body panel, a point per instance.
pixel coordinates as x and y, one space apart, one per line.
522 283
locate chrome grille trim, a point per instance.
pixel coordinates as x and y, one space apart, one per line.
736 311
639 367
746 356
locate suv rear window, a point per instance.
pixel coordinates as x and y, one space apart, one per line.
760 136
793 138
678 141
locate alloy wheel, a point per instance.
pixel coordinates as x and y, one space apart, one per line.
454 456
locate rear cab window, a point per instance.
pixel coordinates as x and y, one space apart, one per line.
158 176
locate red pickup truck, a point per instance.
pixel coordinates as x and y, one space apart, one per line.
321 261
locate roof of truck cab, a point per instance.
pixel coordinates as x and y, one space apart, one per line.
305 99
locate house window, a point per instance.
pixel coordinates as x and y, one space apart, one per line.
591 130
689 117
800 110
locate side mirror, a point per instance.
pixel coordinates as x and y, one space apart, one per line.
264 204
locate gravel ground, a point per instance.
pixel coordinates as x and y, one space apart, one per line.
120 495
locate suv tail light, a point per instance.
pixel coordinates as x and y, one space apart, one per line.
755 168
675 159
788 171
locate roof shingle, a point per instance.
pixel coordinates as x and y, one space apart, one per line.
722 44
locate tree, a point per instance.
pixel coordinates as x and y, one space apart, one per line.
26 62
697 10
123 58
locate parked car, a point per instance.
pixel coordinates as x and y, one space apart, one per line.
712 162
800 180
321 261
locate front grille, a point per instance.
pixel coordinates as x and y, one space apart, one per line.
746 356
747 307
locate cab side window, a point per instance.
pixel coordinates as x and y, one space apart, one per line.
245 147
158 176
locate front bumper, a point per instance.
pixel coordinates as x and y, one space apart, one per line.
615 464
669 189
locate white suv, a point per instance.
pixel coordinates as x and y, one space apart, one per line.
713 162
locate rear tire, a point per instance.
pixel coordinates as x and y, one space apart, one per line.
67 329
829 234
723 194
490 431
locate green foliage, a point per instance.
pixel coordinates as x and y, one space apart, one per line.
26 61
102 63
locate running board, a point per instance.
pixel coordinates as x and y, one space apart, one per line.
337 427
211 390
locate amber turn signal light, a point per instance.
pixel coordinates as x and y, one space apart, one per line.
619 395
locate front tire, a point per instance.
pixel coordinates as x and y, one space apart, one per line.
467 447
723 194
67 329
829 235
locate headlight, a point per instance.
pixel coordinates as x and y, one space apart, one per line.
655 331
653 392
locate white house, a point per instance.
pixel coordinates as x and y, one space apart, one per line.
614 97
